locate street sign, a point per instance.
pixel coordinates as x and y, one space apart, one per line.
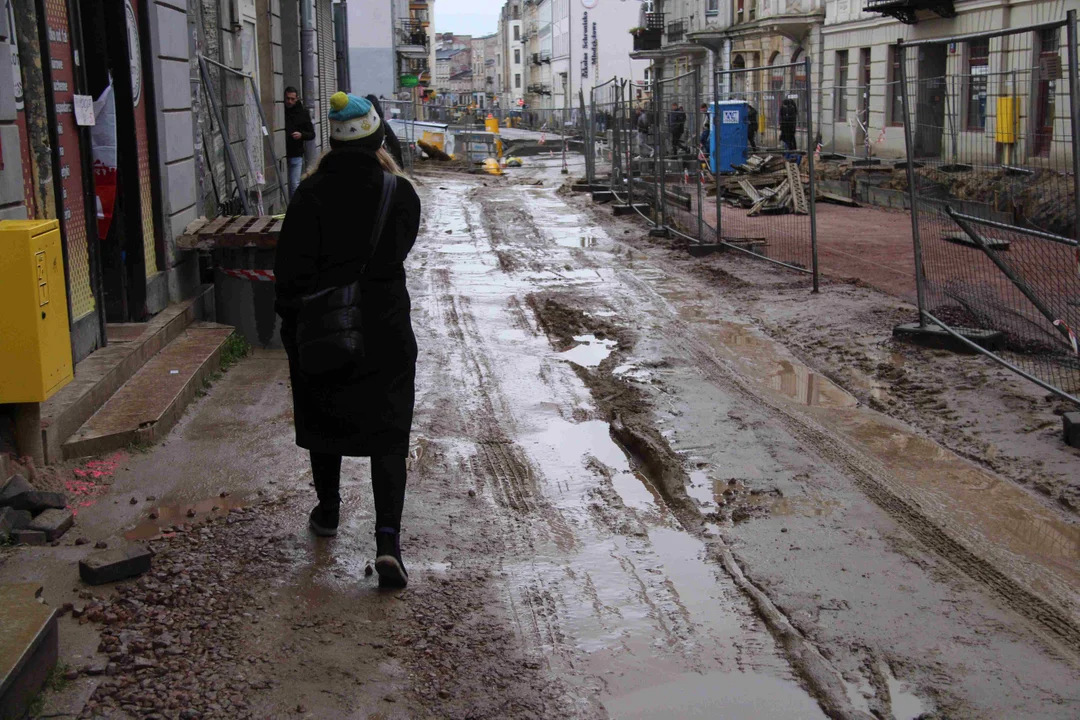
409 81
520 102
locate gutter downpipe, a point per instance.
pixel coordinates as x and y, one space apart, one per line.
307 67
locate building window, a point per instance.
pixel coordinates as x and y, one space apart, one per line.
517 57
896 100
517 80
517 32
739 11
712 7
752 10
841 89
978 74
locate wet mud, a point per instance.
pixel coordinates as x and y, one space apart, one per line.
629 496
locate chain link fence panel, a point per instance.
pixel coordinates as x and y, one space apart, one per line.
992 186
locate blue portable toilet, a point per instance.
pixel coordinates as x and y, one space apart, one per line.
729 120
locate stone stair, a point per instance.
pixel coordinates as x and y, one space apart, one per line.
135 389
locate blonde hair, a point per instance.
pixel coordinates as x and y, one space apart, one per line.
386 160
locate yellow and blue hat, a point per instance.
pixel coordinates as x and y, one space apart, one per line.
354 120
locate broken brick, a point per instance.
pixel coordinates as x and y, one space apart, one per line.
12 519
29 537
16 485
112 565
1071 424
53 523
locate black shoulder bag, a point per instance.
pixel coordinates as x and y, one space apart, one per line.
329 328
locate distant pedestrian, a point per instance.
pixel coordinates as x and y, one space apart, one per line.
643 127
789 121
393 145
298 130
677 126
352 385
705 129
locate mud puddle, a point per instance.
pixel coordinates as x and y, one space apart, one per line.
165 517
590 352
715 695
995 519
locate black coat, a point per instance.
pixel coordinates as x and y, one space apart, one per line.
297 120
391 142
324 242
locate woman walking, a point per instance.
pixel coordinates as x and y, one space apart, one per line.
353 389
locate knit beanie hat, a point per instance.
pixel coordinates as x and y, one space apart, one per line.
353 120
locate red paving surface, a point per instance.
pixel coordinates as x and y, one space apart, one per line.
871 244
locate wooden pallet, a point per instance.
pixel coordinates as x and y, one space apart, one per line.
798 193
241 231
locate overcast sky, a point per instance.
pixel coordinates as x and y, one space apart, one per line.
467 17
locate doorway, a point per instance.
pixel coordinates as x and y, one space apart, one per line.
120 151
930 100
864 97
1047 73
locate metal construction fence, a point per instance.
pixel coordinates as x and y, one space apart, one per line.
664 151
994 196
764 156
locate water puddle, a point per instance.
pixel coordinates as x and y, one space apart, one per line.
632 372
905 704
459 248
180 514
590 353
991 516
732 695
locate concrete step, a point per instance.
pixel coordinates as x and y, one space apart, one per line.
99 376
149 404
29 647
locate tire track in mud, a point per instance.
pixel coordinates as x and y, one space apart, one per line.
873 480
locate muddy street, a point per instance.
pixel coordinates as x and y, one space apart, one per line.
631 495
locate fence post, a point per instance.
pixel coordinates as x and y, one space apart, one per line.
920 280
715 139
1074 115
659 166
588 119
627 121
811 150
696 141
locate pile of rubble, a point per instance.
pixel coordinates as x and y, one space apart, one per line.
767 185
29 516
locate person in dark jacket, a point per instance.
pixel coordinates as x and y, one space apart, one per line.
789 121
325 242
298 130
393 145
677 126
706 129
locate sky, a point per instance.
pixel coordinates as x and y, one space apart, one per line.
467 17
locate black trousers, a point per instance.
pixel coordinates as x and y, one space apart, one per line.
387 484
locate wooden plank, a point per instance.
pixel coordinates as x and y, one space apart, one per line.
215 225
275 229
195 226
230 236
750 191
257 227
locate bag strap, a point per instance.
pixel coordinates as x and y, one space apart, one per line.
389 185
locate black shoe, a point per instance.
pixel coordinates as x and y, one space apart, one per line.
324 520
388 559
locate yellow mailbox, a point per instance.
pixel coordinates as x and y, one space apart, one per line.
35 341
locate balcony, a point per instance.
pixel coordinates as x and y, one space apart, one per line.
541 58
539 89
904 10
412 39
676 31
